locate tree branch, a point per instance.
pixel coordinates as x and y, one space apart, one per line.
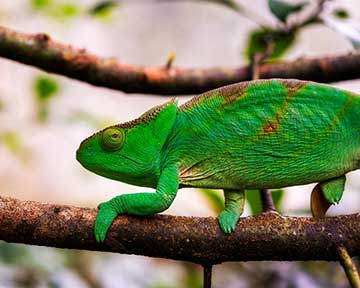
349 267
40 51
264 237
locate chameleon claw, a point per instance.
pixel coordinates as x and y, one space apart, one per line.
104 218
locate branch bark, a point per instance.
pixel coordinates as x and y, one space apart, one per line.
264 237
40 51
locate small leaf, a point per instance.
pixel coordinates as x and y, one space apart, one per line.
282 9
45 88
63 11
12 141
40 4
103 9
68 10
259 40
14 144
215 199
341 13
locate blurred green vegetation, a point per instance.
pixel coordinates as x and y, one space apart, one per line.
260 40
63 10
341 13
283 9
45 88
103 9
216 200
56 9
14 143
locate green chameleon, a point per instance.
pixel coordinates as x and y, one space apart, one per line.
253 135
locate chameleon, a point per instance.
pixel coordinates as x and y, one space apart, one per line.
260 134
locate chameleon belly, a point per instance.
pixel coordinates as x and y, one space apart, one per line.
266 134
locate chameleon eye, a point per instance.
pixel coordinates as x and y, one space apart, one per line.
112 139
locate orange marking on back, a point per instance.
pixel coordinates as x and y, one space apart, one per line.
270 127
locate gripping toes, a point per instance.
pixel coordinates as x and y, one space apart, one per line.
227 220
104 218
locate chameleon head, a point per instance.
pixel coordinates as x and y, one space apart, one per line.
130 152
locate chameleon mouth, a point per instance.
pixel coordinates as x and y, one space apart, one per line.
83 158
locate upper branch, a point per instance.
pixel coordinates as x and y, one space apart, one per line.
263 237
40 51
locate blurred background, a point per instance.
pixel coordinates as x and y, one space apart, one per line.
43 119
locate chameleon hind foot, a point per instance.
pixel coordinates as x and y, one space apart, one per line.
326 194
234 206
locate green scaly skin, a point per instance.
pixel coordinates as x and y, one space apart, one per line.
253 135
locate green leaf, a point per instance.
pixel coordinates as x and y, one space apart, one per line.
40 4
67 10
341 13
103 9
63 11
14 144
259 40
282 9
57 9
45 88
214 198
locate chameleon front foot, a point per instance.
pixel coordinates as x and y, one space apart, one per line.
234 206
106 215
228 220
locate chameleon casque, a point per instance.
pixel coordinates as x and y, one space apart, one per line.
260 134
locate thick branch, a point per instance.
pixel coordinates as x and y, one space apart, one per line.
263 237
42 52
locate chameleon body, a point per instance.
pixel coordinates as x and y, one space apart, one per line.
253 135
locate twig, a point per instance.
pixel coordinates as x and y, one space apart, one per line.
207 275
40 51
311 17
267 236
170 61
349 267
